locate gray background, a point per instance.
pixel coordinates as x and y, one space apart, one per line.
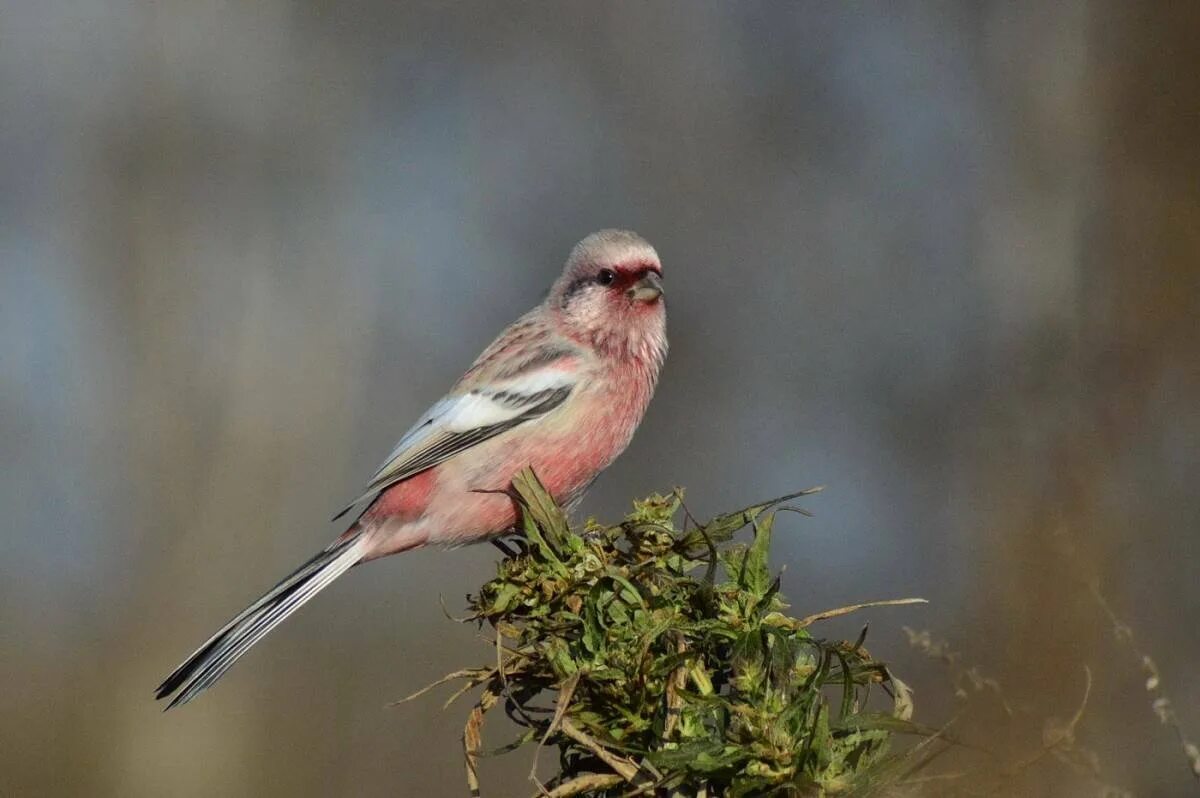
940 257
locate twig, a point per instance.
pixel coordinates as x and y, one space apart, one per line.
1161 704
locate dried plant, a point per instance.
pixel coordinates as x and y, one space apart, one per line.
671 663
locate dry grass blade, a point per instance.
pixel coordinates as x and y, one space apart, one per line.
808 620
472 675
587 783
473 737
622 766
447 613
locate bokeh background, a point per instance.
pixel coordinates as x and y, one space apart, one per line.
941 257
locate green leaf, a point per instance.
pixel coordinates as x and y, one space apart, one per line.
593 632
504 597
755 575
702 757
629 593
884 722
540 508
723 527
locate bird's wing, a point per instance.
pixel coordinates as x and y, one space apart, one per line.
467 418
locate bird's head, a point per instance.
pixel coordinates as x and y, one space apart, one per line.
610 296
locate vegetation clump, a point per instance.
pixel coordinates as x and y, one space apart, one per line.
658 658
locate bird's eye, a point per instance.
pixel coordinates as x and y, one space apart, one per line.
606 277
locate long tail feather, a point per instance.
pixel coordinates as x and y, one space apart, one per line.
209 663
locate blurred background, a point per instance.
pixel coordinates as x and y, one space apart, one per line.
940 258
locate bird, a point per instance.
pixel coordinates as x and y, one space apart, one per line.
561 390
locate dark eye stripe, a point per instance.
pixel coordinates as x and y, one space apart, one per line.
574 287
606 278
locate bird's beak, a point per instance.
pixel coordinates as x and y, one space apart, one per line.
647 289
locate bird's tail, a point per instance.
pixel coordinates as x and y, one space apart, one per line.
209 662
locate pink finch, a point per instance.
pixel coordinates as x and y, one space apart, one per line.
561 390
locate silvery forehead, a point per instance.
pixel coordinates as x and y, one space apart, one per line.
612 248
